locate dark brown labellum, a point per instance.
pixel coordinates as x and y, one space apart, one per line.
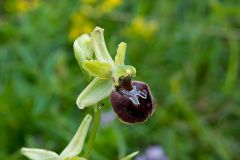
132 101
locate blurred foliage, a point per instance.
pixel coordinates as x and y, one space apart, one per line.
187 51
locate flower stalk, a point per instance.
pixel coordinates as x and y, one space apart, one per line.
93 135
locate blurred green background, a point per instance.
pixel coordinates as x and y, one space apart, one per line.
187 51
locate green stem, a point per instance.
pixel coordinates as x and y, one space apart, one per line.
93 134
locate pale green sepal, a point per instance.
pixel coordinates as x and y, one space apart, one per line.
99 69
130 156
76 144
97 90
39 154
120 57
122 71
99 46
83 49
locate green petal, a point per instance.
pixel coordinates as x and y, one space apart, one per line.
97 68
120 57
122 71
99 46
83 49
39 154
96 91
130 156
76 144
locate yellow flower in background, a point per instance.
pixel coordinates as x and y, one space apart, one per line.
109 5
141 27
20 6
82 21
100 6
79 25
89 1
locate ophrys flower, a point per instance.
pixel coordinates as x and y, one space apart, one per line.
110 77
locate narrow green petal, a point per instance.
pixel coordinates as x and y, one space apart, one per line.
76 144
97 68
120 57
97 90
122 71
130 156
83 49
99 46
39 154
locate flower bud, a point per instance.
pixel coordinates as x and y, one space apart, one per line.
132 101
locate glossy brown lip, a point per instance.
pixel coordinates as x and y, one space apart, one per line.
129 110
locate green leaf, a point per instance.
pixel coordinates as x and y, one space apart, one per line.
97 90
120 57
76 144
130 156
97 68
83 49
99 46
39 154
122 71
77 158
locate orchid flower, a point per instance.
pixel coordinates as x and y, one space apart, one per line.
131 100
104 69
69 153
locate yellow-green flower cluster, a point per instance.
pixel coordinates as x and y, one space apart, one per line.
79 24
108 6
83 20
141 27
20 6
